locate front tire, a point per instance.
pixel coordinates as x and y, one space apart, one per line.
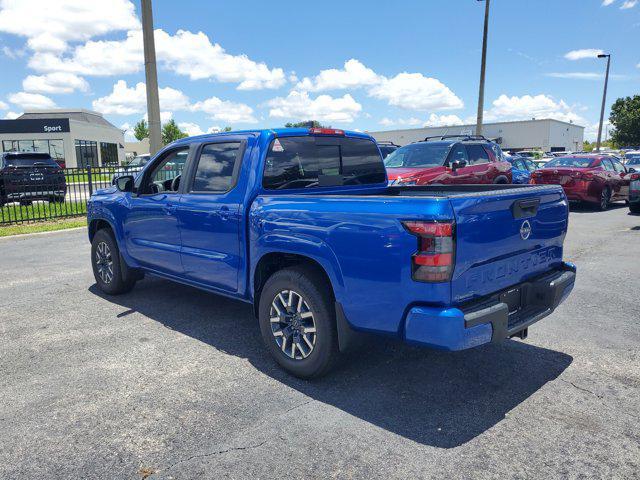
297 322
107 265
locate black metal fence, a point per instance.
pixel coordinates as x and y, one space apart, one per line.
44 193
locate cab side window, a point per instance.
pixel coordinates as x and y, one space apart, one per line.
217 167
166 173
477 154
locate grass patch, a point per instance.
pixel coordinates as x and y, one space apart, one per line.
84 178
41 211
9 230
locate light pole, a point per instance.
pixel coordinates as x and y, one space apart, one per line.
483 67
151 75
604 98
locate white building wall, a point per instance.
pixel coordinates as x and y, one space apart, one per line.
530 134
79 131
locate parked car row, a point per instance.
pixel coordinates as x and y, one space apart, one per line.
597 179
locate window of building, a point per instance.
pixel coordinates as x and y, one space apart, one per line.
55 148
109 153
86 153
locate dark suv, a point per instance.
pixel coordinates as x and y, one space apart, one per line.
449 159
26 176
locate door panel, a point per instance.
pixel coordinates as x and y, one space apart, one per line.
151 232
210 216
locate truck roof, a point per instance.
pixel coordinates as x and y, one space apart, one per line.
274 131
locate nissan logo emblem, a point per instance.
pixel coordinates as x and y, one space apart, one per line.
525 230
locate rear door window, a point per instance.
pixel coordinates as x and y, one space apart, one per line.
309 162
606 164
477 154
217 167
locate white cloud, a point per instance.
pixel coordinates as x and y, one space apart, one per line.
606 3
583 53
3 106
435 120
584 76
125 100
414 91
214 129
324 108
11 115
225 111
164 117
58 82
526 107
628 4
13 53
193 54
128 132
185 53
354 75
50 27
190 128
31 101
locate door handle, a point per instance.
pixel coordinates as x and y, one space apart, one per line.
169 208
224 213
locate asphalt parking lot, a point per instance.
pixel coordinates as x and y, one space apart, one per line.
171 382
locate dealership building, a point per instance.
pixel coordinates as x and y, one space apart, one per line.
78 137
547 135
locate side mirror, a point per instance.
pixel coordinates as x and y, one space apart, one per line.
456 164
124 183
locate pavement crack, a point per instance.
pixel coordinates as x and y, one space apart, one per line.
216 452
582 388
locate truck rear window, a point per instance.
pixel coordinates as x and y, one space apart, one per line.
308 162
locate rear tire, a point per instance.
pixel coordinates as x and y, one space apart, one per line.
108 266
605 199
305 318
501 180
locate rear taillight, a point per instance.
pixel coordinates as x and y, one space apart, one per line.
634 186
434 260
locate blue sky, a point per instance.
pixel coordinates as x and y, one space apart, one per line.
357 64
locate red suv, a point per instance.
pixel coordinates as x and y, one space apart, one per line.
596 179
448 160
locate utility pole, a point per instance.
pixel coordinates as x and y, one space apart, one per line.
604 99
151 74
483 67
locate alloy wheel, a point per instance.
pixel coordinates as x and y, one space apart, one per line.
292 324
604 199
104 262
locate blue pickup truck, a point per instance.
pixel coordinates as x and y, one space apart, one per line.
302 224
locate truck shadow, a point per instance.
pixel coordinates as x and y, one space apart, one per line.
588 208
434 398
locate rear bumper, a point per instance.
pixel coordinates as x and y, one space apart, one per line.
489 320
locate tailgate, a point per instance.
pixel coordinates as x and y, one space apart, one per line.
505 237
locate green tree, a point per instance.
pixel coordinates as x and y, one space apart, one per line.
171 132
305 124
141 130
625 118
227 129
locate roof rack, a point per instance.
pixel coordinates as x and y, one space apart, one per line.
386 142
464 138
